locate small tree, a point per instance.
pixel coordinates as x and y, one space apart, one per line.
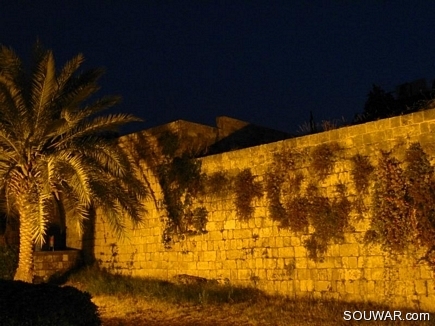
56 152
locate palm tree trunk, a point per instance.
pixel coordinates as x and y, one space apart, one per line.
25 258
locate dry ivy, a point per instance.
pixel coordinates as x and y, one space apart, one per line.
246 189
181 180
329 219
323 159
390 223
404 203
218 184
283 187
419 176
361 173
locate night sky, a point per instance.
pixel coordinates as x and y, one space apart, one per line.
266 62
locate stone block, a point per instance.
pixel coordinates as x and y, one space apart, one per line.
325 274
234 254
270 263
259 263
376 274
352 274
306 285
301 262
349 250
428 114
351 287
230 225
286 252
209 256
328 262
322 286
350 262
215 235
370 261
300 251
426 272
357 130
265 232
241 264
422 287
230 264
417 117
303 274
335 274
406 120
295 241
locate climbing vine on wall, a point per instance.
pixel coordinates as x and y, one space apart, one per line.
361 174
419 176
278 174
323 159
404 203
402 195
219 184
390 224
246 190
182 182
328 217
295 208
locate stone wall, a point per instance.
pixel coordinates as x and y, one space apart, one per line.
54 263
259 253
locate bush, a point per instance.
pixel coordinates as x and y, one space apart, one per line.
8 262
45 305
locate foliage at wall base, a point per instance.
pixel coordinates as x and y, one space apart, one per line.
8 261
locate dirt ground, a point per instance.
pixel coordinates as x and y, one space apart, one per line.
119 311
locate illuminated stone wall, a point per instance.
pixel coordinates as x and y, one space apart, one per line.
259 253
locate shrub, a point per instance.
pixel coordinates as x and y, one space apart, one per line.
45 305
8 261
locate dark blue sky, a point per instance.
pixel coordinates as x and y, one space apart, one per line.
266 62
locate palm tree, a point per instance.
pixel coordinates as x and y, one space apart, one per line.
57 150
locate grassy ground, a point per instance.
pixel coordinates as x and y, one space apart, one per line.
134 301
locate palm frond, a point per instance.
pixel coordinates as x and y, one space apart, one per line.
41 216
76 175
110 122
108 158
81 114
10 64
112 212
12 99
72 116
116 205
68 70
9 144
135 187
77 89
43 84
75 211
